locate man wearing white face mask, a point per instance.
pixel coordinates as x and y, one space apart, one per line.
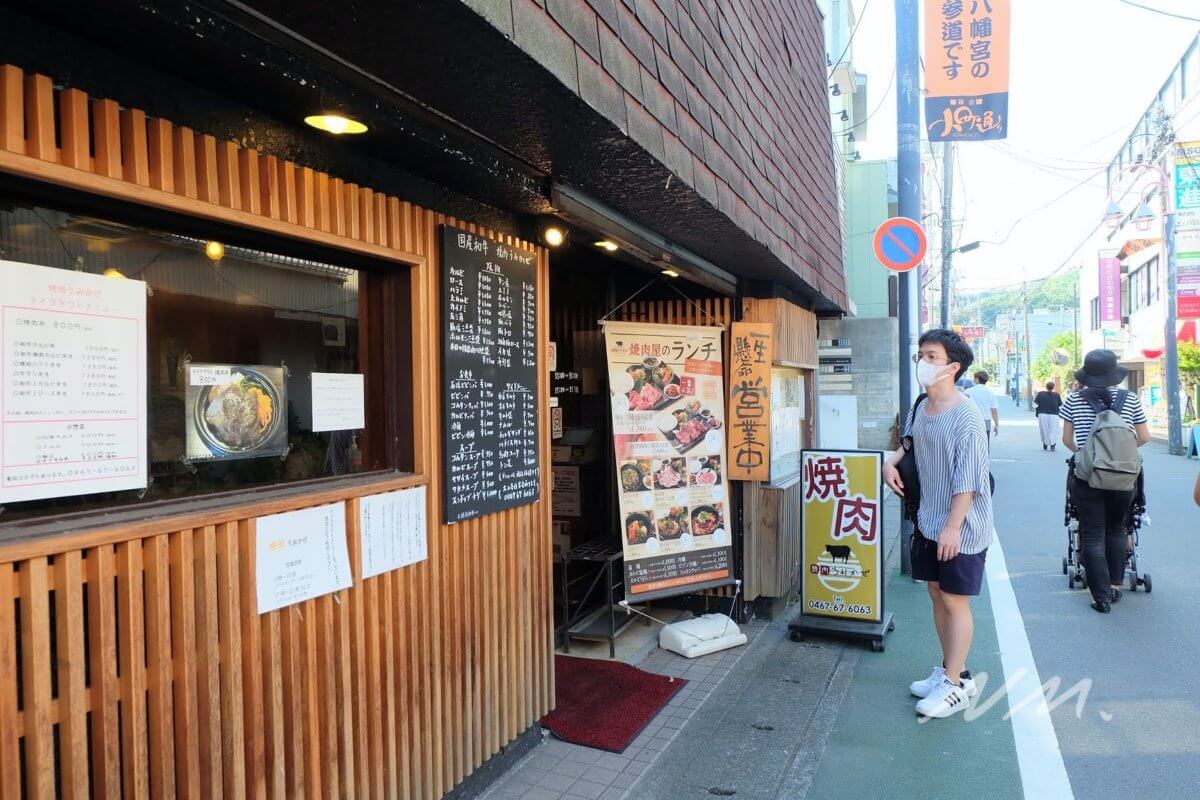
954 518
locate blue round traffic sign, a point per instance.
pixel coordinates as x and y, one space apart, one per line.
900 244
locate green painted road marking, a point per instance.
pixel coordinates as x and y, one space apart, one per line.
878 748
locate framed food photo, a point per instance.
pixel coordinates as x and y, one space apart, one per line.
234 411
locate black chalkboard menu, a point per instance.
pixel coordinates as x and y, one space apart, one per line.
489 375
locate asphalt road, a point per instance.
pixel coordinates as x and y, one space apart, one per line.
1137 731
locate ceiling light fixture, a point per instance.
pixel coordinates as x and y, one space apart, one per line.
605 244
113 272
670 273
335 124
553 236
214 250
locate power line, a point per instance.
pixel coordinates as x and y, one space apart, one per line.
850 41
1159 11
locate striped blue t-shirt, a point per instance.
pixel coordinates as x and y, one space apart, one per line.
952 458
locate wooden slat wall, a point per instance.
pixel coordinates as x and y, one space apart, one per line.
137 664
773 535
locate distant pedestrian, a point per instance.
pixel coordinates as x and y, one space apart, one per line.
954 516
985 399
1102 512
1016 393
1046 405
1196 490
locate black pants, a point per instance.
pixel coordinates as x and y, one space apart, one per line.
1102 516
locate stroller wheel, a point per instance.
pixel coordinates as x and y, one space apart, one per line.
1070 581
1146 582
1064 565
1133 581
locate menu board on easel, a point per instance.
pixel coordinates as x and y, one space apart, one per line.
489 375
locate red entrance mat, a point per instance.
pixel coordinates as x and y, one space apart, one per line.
604 704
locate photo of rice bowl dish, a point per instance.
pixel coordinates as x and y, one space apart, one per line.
244 415
706 519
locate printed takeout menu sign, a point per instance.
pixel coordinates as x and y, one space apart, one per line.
72 383
668 410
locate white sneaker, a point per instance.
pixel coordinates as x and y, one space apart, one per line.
945 700
923 688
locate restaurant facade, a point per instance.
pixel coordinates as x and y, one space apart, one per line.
299 426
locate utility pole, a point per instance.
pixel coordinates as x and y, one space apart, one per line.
908 175
947 227
1171 356
1028 344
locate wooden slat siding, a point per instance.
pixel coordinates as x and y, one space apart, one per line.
72 692
12 109
208 659
102 658
106 138
73 121
136 166
183 578
795 329
161 155
131 672
452 656
253 718
10 732
229 176
160 708
35 672
208 185
39 118
185 163
233 748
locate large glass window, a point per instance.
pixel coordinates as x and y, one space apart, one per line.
233 338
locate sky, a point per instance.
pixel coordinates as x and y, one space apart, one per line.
1083 72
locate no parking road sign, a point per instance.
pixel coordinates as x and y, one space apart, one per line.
900 244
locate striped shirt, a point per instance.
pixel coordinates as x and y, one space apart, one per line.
1079 413
952 458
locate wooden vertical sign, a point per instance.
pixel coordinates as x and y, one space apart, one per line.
750 401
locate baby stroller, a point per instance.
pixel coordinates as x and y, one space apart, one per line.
1072 564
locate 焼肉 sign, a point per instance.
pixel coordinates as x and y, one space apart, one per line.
668 411
967 50
842 568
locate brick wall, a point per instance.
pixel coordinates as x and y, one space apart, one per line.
729 94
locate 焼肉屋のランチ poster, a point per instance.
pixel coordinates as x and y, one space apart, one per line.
667 390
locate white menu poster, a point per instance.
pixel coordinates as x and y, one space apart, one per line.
337 402
72 383
392 527
299 555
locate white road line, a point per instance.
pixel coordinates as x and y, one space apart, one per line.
1043 774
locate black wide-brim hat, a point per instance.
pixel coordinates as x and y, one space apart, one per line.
1101 370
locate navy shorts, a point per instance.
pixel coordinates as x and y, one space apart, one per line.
962 574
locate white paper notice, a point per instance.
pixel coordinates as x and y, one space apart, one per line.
300 555
393 530
337 401
72 383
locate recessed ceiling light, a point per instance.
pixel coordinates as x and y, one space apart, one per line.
670 273
335 124
605 244
553 236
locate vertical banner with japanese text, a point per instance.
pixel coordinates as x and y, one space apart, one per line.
843 531
1187 230
668 412
1110 291
750 402
967 46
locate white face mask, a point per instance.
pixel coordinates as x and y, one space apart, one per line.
929 374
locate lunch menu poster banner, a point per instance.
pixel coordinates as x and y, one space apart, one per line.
843 531
668 411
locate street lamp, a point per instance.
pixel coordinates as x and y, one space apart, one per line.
965 248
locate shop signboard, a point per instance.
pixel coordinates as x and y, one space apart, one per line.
1187 274
750 402
72 383
843 553
668 411
967 46
489 375
234 411
1110 291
